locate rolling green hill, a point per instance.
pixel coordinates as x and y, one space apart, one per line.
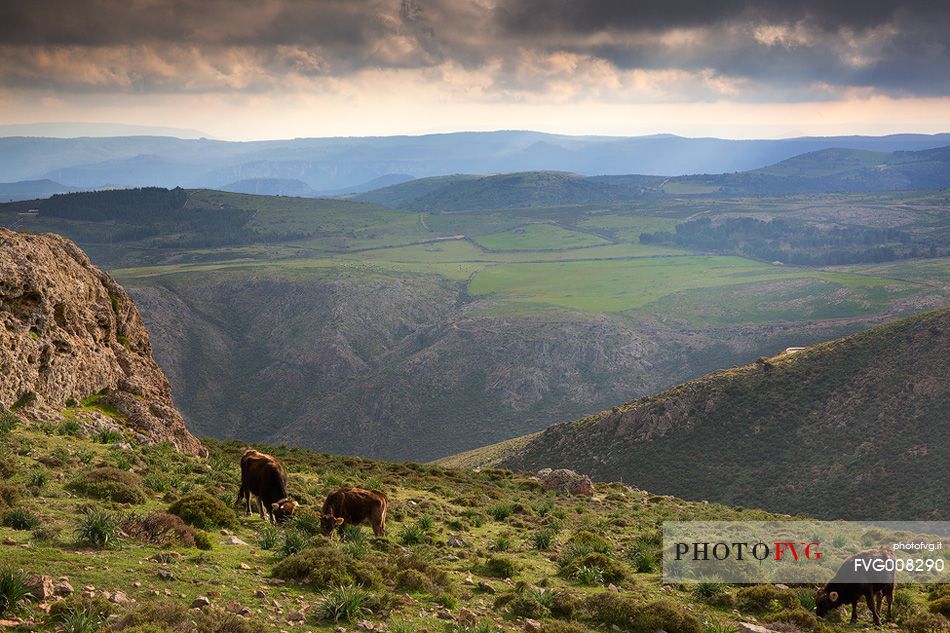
508 191
853 428
845 170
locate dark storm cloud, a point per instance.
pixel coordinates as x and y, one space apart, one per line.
771 48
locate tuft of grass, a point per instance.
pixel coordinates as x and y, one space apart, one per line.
293 541
502 543
589 575
268 537
500 511
500 567
97 528
108 436
718 626
344 603
426 522
7 421
543 539
21 519
412 534
77 620
13 591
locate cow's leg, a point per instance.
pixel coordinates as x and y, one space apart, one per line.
869 598
854 611
889 593
247 503
379 523
260 507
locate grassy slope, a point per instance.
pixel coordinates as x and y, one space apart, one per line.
851 428
444 502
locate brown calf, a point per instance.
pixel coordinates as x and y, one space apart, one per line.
264 477
354 506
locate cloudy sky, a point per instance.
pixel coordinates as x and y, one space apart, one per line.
243 69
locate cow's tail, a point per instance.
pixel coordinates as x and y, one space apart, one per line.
241 495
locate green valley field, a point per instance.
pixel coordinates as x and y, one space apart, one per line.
356 328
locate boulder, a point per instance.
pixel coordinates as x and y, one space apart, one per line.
41 587
564 480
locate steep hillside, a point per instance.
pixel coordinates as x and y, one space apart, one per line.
72 344
853 428
270 187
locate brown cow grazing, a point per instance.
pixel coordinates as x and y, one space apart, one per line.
864 574
264 477
354 506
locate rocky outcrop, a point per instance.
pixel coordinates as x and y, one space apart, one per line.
565 480
68 334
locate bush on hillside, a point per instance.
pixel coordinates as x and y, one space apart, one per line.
201 510
610 608
111 484
97 528
9 495
160 528
500 567
765 598
326 566
665 615
799 618
611 570
21 519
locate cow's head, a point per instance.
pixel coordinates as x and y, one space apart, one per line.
283 509
328 522
825 601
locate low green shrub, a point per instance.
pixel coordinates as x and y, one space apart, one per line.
307 521
108 483
543 539
765 599
612 570
291 542
610 608
500 567
326 566
9 495
800 618
159 528
527 605
924 622
665 615
203 540
201 510
268 537
941 606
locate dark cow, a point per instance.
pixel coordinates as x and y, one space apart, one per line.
354 506
854 581
264 477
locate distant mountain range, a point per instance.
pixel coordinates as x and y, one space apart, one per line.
346 165
853 428
31 190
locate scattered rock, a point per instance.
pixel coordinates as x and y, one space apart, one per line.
484 586
568 481
614 588
165 574
9 541
532 626
233 540
63 588
296 616
136 584
469 580
41 587
748 627
467 617
455 541
244 566
200 602
225 532
260 593
119 597
237 609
